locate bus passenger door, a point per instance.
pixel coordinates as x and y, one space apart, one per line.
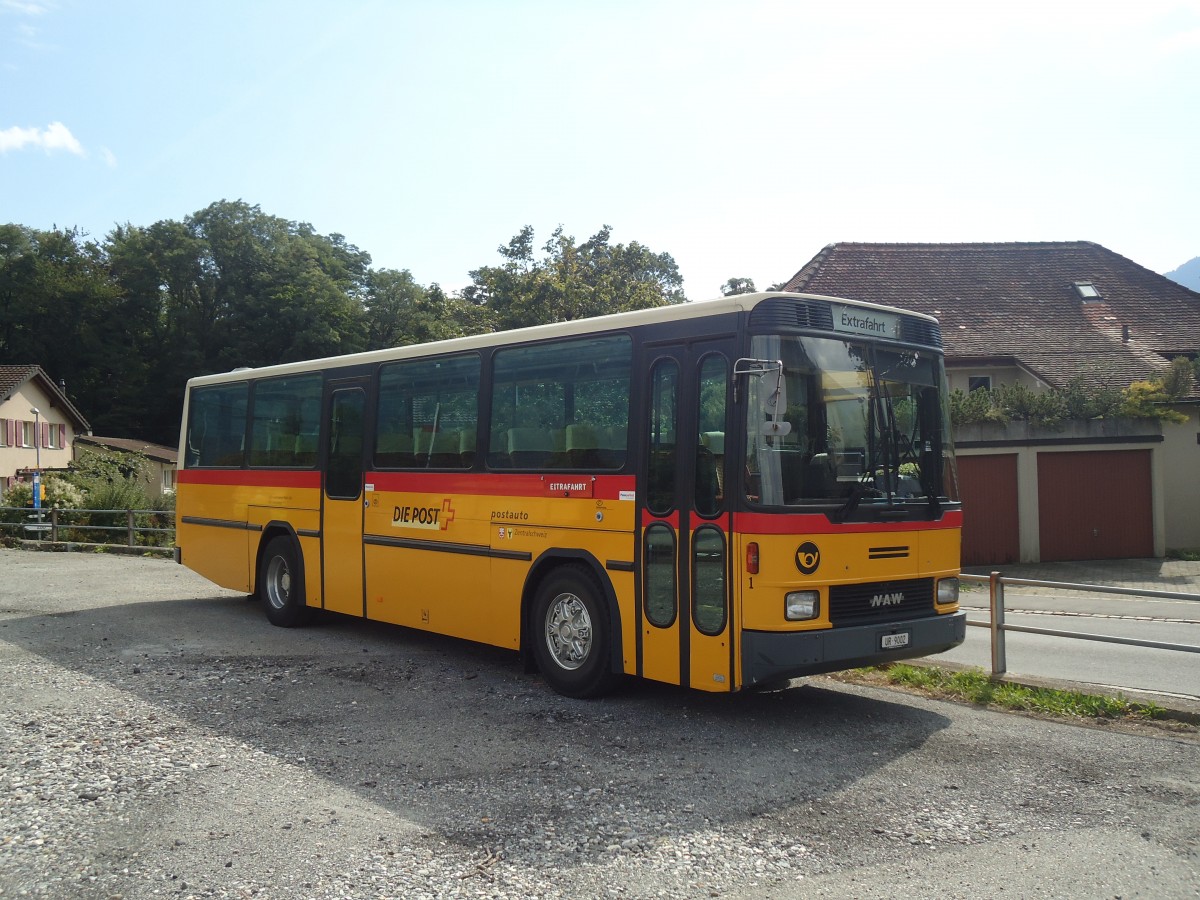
686 626
342 499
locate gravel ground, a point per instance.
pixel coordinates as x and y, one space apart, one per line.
160 739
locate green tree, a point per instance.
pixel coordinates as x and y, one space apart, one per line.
1083 399
1148 400
1179 379
98 471
60 309
281 292
229 286
738 286
399 311
572 281
18 264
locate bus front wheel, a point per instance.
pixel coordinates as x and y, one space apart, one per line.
571 634
281 584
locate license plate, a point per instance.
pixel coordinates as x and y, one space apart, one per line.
894 641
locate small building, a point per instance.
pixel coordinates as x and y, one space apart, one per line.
162 459
1041 315
38 424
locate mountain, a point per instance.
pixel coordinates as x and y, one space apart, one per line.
1188 274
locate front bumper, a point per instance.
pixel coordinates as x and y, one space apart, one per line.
771 655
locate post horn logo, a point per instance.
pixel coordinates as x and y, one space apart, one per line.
808 557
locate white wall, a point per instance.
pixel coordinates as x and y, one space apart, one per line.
17 407
1181 472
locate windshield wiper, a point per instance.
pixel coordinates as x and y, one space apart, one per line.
857 493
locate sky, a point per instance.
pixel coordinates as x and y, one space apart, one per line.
739 137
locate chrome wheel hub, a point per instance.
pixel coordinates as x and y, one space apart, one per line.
568 631
279 583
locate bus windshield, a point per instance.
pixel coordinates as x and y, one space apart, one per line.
848 425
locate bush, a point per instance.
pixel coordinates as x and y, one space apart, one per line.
58 493
1147 400
1079 400
975 408
113 480
1179 379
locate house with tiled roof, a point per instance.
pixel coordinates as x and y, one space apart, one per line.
162 460
1042 314
38 423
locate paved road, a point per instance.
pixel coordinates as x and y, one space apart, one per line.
1172 673
159 739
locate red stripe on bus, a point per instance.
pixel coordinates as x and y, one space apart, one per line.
490 484
648 518
783 523
605 487
250 478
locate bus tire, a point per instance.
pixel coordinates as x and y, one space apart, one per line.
572 634
281 584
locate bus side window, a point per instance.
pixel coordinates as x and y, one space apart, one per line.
710 449
428 409
285 422
664 405
217 425
552 404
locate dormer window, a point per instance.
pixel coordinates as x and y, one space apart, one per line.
1087 291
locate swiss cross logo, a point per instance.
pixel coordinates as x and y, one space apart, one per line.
447 514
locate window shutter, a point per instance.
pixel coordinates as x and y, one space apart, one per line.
45 434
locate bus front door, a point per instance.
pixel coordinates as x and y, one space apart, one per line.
686 627
342 500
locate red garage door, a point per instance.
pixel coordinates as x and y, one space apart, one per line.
1095 505
991 529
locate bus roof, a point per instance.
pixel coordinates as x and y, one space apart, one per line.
578 327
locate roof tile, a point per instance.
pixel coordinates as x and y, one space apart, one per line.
1019 300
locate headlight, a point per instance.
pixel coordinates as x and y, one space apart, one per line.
801 605
947 591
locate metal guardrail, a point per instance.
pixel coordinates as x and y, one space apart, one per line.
996 583
51 524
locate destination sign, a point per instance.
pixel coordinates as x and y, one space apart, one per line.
869 322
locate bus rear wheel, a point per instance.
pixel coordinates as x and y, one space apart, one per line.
572 640
281 584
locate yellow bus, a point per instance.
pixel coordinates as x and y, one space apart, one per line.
718 494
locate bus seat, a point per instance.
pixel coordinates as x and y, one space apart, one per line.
394 450
708 490
425 444
613 445
266 444
820 477
444 450
306 450
466 447
497 454
583 446
422 439
529 448
661 481
714 442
